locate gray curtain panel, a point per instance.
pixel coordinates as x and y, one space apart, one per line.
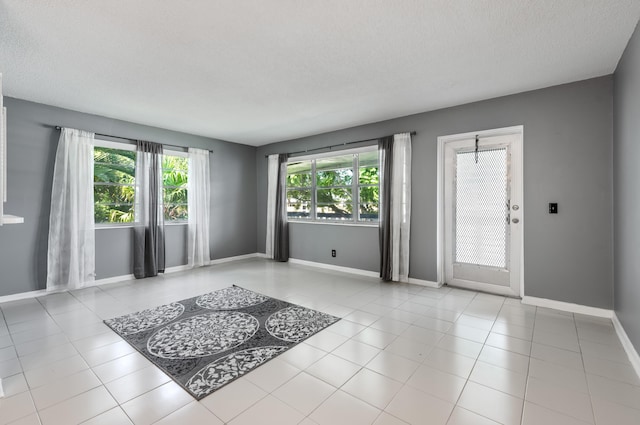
148 244
385 154
281 231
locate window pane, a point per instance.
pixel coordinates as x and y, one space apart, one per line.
368 212
113 213
119 157
334 171
368 159
114 165
110 173
175 212
369 175
334 204
175 176
369 203
113 194
298 203
334 163
369 192
299 174
175 163
113 201
173 195
334 211
330 196
341 177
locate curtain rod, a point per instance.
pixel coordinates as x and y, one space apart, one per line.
133 140
413 133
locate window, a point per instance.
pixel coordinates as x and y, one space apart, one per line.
114 184
175 172
339 188
299 189
368 186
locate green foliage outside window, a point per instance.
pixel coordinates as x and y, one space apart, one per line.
114 186
369 185
299 189
114 173
175 172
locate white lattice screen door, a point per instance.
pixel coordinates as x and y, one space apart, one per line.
483 213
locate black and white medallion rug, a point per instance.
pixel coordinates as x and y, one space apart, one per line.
205 342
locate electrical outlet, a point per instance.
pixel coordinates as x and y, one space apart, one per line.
333 252
553 208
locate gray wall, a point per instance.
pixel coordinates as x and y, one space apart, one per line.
567 159
355 247
32 143
114 249
626 148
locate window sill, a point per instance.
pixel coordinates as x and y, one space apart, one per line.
113 226
324 223
12 219
131 225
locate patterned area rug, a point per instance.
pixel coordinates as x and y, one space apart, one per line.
208 341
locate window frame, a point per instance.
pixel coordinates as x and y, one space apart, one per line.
108 144
355 188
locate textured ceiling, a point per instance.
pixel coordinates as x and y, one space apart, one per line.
257 71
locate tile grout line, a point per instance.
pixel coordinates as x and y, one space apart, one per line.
472 368
382 293
526 387
584 367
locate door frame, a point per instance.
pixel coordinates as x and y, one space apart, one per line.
517 182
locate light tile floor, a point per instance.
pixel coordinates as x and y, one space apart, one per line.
403 354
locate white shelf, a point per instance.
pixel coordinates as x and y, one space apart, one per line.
12 219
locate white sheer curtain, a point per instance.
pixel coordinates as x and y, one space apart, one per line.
272 194
198 193
71 251
400 206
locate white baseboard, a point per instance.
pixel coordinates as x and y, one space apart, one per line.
113 279
121 278
360 272
632 353
237 258
23 295
427 283
176 269
124 277
350 270
569 307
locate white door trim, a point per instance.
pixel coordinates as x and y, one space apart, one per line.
517 182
